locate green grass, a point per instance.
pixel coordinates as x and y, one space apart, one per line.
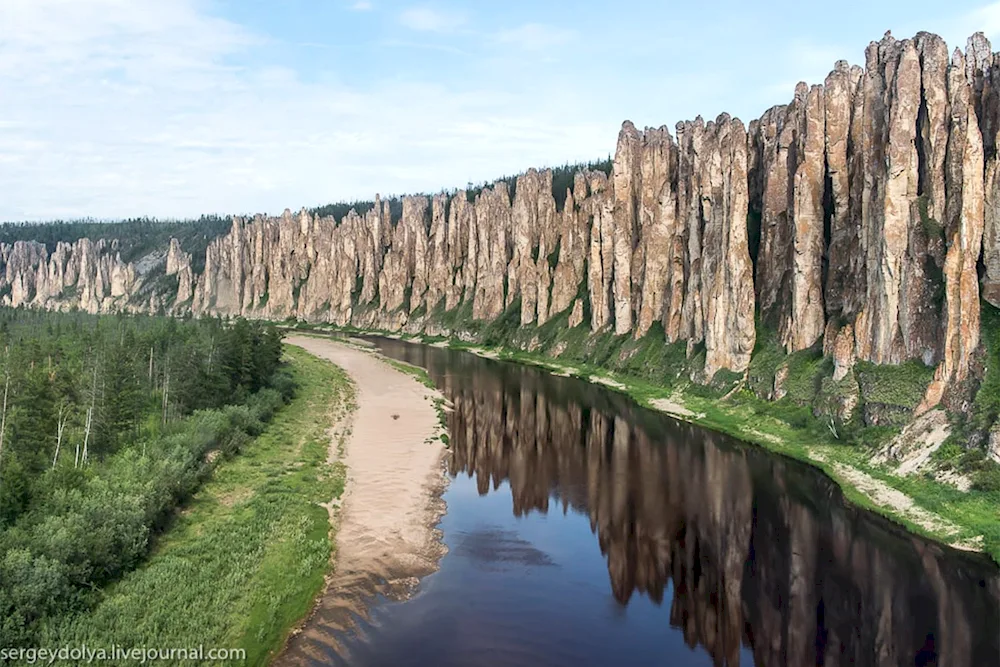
806 370
902 385
986 406
768 355
244 562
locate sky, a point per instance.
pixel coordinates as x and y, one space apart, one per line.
175 108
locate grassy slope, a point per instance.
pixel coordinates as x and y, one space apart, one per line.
246 559
784 427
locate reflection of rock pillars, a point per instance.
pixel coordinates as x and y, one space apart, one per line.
760 552
802 601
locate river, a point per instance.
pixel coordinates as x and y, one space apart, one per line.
585 530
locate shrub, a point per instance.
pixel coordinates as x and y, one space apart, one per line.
767 356
986 405
987 478
99 526
806 370
244 418
902 385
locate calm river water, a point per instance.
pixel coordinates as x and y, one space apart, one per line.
585 530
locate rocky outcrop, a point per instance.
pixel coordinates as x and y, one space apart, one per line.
792 148
179 264
963 231
573 245
626 182
533 219
843 112
600 208
993 448
656 224
855 218
87 275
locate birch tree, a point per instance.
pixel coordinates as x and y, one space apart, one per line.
3 411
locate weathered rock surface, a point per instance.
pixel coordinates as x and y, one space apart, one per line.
993 450
876 197
84 274
789 268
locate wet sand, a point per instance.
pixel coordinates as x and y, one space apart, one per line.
386 537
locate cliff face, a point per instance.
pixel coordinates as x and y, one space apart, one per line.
859 216
84 274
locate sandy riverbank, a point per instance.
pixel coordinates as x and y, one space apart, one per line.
386 537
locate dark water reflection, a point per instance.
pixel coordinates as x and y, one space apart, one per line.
711 552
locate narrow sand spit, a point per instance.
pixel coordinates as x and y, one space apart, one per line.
886 496
607 382
386 537
672 406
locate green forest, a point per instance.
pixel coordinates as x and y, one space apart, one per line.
107 425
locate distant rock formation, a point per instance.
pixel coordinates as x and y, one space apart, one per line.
859 216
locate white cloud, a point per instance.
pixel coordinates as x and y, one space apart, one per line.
957 27
361 6
799 61
425 19
985 19
535 37
116 108
443 48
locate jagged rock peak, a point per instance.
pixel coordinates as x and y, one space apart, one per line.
855 217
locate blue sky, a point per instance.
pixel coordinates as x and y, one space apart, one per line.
172 108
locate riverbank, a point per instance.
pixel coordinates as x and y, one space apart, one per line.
243 562
967 520
386 524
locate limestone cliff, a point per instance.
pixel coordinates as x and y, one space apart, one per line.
862 217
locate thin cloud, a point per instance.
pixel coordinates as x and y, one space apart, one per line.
803 61
119 108
425 19
361 6
443 48
958 28
985 19
535 37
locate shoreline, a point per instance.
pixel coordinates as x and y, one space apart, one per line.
863 483
855 481
386 537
